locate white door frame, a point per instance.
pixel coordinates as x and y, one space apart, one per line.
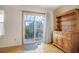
23 32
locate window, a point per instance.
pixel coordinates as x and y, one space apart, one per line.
1 22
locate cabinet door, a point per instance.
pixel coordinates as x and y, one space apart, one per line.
75 41
55 37
67 41
60 39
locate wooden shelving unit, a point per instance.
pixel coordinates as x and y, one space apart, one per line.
66 34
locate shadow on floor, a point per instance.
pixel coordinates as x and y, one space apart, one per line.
30 46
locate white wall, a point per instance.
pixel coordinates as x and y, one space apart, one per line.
12 27
13 24
49 26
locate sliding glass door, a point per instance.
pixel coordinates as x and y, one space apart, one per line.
34 27
39 28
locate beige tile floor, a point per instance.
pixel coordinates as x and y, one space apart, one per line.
45 48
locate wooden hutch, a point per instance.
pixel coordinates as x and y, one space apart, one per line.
66 33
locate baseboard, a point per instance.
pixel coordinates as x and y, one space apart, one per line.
59 48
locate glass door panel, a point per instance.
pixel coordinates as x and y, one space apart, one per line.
39 35
29 28
39 24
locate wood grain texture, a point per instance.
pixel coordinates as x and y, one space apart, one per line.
12 49
68 38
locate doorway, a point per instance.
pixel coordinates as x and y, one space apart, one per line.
33 28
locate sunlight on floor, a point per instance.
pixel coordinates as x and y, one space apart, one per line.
45 48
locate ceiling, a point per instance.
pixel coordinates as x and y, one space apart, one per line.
52 7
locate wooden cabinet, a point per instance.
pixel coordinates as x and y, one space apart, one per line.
66 34
67 41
